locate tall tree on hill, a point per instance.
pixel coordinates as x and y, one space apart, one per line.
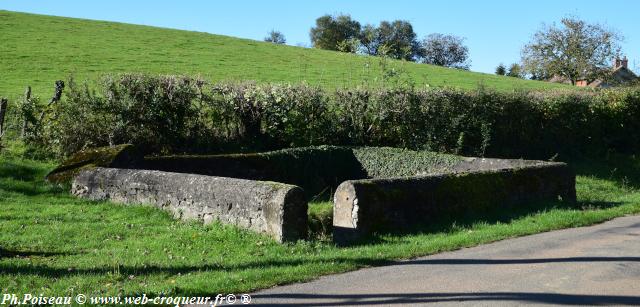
392 39
369 39
575 50
275 37
397 40
501 70
515 70
445 50
332 31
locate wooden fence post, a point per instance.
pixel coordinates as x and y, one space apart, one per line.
3 111
27 101
56 97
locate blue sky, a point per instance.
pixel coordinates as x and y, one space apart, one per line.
495 31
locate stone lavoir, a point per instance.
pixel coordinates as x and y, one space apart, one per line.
376 188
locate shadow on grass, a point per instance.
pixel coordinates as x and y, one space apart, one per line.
18 172
26 254
31 188
24 179
623 169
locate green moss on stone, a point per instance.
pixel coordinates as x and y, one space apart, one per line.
123 155
385 162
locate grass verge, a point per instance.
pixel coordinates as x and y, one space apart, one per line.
54 244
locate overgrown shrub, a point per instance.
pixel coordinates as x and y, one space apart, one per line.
158 113
169 114
280 115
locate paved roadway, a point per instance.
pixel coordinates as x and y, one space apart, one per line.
597 265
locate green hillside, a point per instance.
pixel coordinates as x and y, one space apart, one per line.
36 50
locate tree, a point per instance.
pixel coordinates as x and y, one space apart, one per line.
445 50
350 45
575 50
275 37
534 68
501 70
331 31
397 40
369 40
515 70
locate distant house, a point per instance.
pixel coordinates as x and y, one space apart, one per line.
620 74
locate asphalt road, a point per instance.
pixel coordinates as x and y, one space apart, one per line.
597 265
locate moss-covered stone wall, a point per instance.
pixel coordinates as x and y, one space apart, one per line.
365 206
120 156
318 170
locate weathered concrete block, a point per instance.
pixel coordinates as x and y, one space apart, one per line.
364 206
276 209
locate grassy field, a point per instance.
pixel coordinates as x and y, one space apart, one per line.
37 50
54 244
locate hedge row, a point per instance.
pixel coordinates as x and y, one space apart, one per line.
172 114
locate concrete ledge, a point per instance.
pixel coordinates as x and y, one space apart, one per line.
364 206
276 209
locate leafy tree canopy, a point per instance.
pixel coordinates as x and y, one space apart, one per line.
331 31
574 50
501 70
445 50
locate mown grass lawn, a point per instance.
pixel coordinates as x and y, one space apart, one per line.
37 50
55 244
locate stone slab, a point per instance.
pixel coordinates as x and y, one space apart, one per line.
276 209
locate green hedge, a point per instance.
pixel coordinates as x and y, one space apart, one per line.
170 114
